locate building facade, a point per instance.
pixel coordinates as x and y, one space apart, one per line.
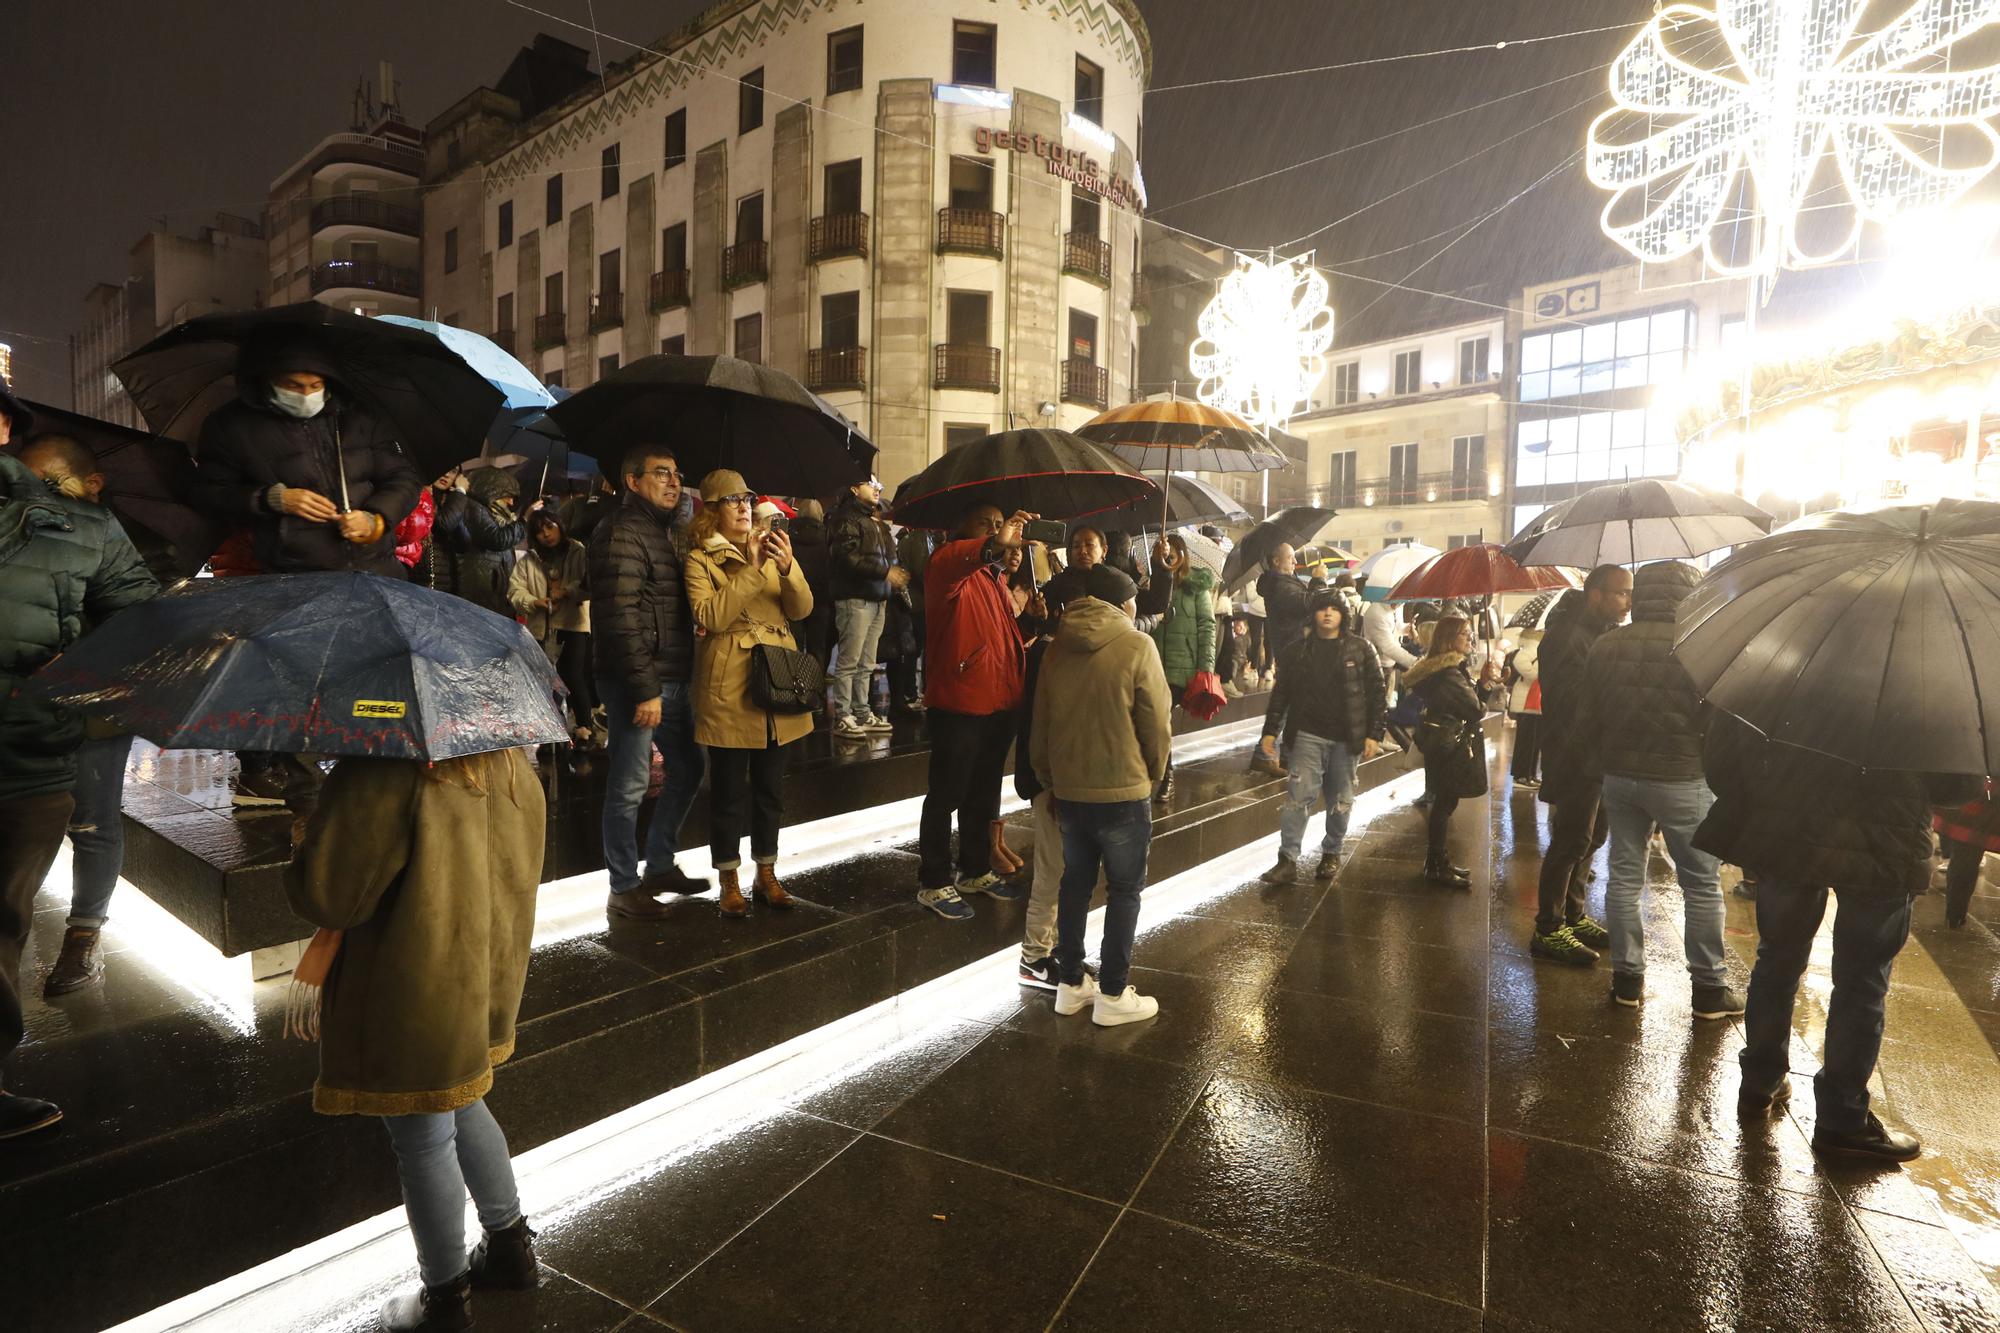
928 212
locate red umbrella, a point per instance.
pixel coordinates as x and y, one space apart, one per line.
1482 570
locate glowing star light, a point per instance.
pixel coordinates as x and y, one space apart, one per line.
1745 104
1263 339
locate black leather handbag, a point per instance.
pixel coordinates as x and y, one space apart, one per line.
783 680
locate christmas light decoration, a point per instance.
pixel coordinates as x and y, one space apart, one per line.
1788 87
1263 339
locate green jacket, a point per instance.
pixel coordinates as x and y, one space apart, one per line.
63 564
1102 729
434 884
1186 633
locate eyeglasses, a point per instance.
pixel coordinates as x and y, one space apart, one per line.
663 473
735 499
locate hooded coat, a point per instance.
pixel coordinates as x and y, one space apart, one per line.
973 651
534 574
1565 650
1186 632
1102 729
1330 688
1639 715
474 539
739 606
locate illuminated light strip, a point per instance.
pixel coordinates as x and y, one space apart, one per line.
358 1264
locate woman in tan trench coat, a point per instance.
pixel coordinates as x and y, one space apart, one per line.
743 587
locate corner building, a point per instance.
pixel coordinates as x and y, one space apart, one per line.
928 212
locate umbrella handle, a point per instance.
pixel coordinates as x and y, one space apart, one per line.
340 468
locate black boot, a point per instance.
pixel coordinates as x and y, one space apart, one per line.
445 1309
506 1259
1438 869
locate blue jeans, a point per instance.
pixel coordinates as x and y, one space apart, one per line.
440 1157
857 629
1318 769
1631 807
1868 931
1117 835
97 829
628 767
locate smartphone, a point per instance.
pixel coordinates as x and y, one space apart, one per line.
781 524
1047 531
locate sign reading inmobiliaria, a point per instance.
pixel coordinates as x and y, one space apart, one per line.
1071 164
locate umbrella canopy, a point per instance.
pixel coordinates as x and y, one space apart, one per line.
1534 612
1288 527
1638 522
519 386
1048 472
1479 570
144 480
1871 637
327 664
1325 553
1190 500
1172 434
1205 553
438 406
1386 567
719 412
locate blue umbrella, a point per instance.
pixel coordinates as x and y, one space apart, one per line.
521 386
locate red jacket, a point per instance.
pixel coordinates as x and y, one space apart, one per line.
973 654
415 529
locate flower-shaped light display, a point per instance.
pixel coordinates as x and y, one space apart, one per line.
1263 339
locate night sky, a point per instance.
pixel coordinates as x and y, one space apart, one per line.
118 112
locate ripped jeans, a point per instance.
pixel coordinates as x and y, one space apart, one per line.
97 829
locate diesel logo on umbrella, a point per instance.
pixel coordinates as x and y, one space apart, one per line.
378 708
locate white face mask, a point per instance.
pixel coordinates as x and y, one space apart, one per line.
295 404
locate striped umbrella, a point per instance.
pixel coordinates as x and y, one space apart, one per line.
1174 435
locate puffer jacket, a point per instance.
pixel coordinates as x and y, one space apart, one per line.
741 606
1330 688
861 552
1565 650
913 552
474 539
63 564
1640 716
642 631
1186 631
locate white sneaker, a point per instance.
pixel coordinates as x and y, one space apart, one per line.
1111 1010
1071 999
870 722
850 729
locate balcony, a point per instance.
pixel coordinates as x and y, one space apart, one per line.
369 275
838 236
836 368
1406 489
607 311
550 330
1085 383
745 262
1088 257
967 367
504 340
669 290
971 231
364 210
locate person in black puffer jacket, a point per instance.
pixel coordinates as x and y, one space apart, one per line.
1806 824
474 539
862 572
1640 726
1451 738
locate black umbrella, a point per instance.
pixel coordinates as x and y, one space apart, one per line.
328 664
719 412
1190 500
438 406
1048 472
1533 611
1288 527
1637 522
146 482
1871 637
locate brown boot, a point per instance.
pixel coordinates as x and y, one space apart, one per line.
732 903
77 966
769 892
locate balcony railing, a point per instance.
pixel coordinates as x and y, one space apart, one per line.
607 311
967 367
504 340
745 262
1087 256
836 368
1085 383
369 274
669 290
837 235
1405 489
1142 298
551 329
361 210
971 231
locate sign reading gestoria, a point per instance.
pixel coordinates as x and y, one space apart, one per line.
1071 164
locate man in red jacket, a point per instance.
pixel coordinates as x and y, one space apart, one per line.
974 663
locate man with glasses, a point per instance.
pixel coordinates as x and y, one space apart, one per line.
644 649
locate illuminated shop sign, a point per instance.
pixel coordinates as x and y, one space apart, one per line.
1071 164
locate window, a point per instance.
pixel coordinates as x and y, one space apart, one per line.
843 61
1082 336
506 225
1402 473
1089 91
1341 479
972 183
1464 539
750 219
609 274
840 321
503 319
1633 352
451 250
674 248
1474 357
974 59
553 379
606 365
958 434
607 173
674 346
1346 383
843 187
965 318
552 294
1410 371
750 338
553 193
1086 215
677 138
1468 467
750 101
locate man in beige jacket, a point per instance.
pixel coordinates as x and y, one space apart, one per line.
1100 740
